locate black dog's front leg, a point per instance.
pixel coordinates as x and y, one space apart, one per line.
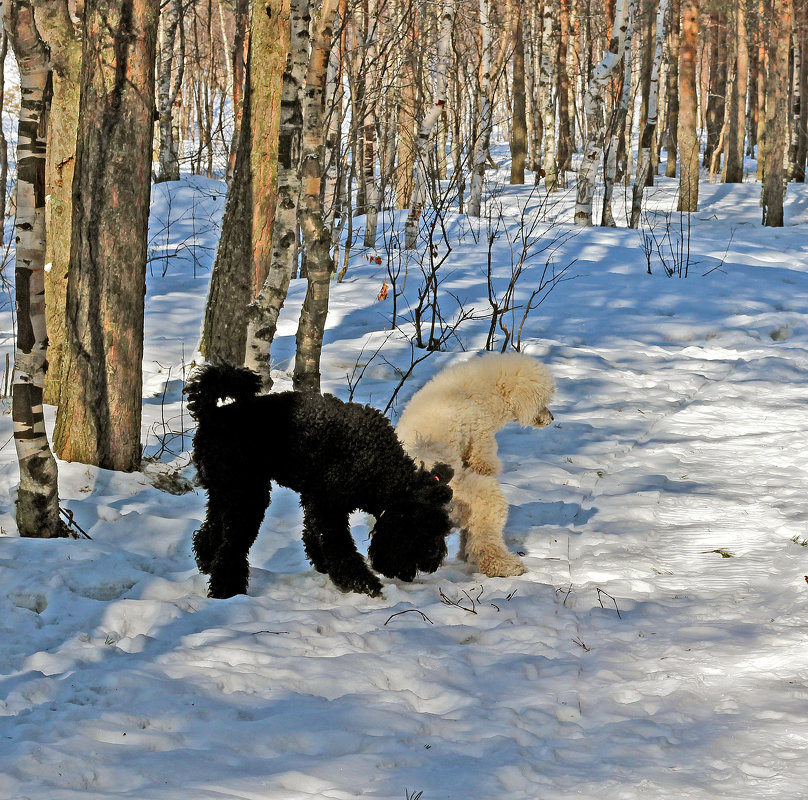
331 549
240 513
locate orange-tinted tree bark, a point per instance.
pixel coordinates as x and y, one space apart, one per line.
99 416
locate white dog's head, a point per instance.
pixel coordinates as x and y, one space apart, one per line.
526 386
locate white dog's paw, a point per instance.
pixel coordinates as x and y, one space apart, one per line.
502 566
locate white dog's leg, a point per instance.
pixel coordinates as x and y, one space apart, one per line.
481 511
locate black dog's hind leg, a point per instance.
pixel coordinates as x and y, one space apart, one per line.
240 520
331 549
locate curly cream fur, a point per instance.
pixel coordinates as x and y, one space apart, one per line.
454 419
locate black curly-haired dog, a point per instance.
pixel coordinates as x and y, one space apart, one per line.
338 456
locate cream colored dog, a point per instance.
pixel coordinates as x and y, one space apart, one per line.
453 419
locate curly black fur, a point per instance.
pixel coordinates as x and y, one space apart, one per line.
338 456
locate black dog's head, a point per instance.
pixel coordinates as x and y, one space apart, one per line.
410 536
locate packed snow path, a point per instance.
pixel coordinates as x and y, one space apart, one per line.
655 647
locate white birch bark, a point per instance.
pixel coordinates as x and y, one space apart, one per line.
485 116
263 312
333 93
618 129
170 71
37 496
595 123
371 98
653 110
316 237
546 95
428 125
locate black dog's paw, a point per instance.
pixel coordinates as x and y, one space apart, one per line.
364 582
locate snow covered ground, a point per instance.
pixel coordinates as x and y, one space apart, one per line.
656 647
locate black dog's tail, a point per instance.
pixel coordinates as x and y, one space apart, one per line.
211 384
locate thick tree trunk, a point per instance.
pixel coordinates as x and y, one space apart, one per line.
243 256
316 236
64 40
98 421
687 138
672 91
774 187
37 496
733 163
595 121
519 119
644 166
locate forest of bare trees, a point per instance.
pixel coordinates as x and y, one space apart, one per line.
316 113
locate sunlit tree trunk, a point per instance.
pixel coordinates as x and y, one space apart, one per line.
519 120
407 96
63 36
774 187
170 71
616 146
98 421
595 121
372 97
37 496
672 91
316 236
548 98
733 162
687 138
247 241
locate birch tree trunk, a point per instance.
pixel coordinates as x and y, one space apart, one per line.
98 421
619 127
774 187
37 509
796 99
428 125
316 236
733 161
595 122
63 36
548 98
169 83
485 115
687 138
650 125
369 127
